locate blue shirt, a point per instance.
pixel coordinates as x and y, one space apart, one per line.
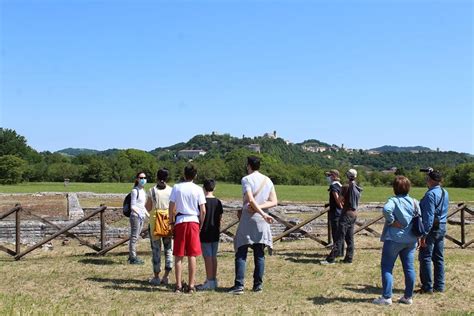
400 208
428 203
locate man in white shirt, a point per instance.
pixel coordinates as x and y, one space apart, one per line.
187 210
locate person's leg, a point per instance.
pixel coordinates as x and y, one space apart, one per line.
340 246
178 271
134 231
192 271
156 256
407 256
240 263
259 262
206 248
168 249
215 248
349 238
389 255
178 252
438 261
424 257
337 243
208 263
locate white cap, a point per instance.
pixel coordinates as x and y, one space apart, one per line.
351 173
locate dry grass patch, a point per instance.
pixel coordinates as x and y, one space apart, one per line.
65 280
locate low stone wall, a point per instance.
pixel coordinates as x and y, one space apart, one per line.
33 231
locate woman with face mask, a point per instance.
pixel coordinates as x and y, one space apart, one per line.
137 216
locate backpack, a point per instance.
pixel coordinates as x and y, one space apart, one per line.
417 227
162 220
127 203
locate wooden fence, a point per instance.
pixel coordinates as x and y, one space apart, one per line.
290 228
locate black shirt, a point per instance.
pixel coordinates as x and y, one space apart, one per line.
210 231
334 211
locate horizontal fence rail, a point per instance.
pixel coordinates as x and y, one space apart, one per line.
290 228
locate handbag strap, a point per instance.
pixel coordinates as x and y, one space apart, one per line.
416 210
260 187
153 193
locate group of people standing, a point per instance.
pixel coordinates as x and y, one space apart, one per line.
195 216
398 236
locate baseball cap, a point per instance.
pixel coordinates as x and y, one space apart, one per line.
435 175
351 173
332 172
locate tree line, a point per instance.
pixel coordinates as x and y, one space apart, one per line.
224 161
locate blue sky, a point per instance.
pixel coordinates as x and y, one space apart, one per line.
146 74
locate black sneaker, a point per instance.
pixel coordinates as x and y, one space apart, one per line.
347 261
257 289
236 290
423 291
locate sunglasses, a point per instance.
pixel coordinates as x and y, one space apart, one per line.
142 177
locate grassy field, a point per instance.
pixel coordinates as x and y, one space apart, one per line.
233 191
65 281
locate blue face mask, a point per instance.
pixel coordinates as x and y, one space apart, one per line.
142 182
329 180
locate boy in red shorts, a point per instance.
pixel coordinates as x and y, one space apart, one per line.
188 209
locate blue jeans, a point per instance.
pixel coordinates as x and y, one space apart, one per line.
433 253
391 250
241 260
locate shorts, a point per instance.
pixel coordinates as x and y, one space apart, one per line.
209 249
186 240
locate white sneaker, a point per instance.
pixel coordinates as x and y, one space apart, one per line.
206 286
382 301
404 300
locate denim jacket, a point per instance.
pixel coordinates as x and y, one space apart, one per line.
428 204
399 208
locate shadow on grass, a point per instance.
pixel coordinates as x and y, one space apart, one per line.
321 300
130 285
367 289
97 261
299 254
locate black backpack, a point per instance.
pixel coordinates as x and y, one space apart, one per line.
127 203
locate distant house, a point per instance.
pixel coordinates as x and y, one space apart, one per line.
191 153
389 171
254 147
271 135
314 149
372 152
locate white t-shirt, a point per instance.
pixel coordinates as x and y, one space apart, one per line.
252 183
138 204
187 196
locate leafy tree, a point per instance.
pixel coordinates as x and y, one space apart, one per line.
13 144
11 169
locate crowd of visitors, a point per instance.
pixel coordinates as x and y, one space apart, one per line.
185 221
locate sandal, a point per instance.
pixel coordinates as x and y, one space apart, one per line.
190 289
178 289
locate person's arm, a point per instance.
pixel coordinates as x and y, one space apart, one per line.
388 212
202 214
149 202
427 208
171 213
271 202
337 198
253 204
133 200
